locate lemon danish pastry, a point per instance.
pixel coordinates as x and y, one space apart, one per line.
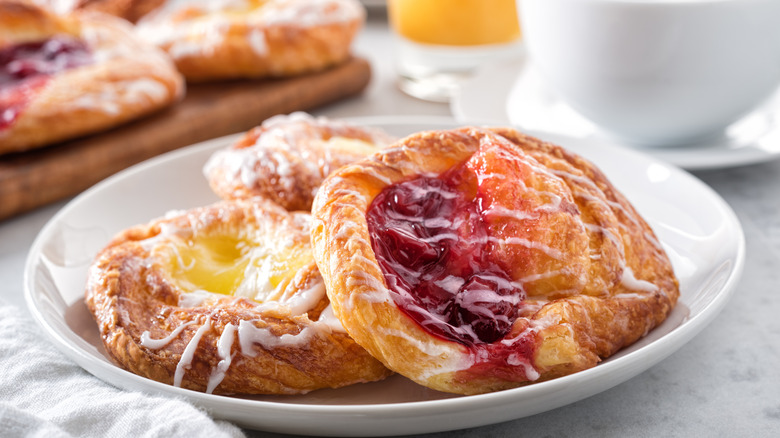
225 299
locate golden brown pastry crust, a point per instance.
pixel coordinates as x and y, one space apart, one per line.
253 39
290 343
130 10
286 158
127 79
599 281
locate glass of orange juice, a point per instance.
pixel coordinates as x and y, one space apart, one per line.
442 42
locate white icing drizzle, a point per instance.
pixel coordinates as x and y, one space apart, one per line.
551 252
305 300
171 214
473 300
349 193
534 304
176 253
211 20
104 43
249 335
346 230
185 362
446 362
631 282
397 149
625 212
224 345
530 372
650 237
195 298
553 206
630 296
155 344
374 291
109 97
451 283
58 6
516 360
295 300
611 236
543 275
329 319
372 171
482 177
501 211
580 179
258 42
311 12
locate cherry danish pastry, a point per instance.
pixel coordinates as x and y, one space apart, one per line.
286 158
63 76
225 299
225 39
476 260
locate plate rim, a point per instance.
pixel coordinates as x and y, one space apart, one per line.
674 339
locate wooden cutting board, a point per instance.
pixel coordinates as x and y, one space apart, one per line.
35 178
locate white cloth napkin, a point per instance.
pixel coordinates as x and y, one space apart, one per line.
45 394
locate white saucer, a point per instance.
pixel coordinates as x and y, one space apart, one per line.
512 92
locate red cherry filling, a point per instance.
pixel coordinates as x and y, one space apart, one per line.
25 67
432 244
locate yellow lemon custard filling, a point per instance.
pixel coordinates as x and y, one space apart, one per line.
254 260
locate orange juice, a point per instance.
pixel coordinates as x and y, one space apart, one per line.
455 22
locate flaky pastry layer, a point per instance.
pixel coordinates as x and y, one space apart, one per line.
253 38
128 78
287 157
152 293
595 277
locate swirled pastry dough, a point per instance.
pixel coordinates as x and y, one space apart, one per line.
475 260
224 39
286 158
64 76
226 299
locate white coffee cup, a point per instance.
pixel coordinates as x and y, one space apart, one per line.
656 72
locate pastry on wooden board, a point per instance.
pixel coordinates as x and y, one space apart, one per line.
230 39
65 76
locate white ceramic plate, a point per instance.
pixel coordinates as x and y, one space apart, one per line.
701 233
512 92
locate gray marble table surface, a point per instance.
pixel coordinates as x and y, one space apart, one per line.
725 382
